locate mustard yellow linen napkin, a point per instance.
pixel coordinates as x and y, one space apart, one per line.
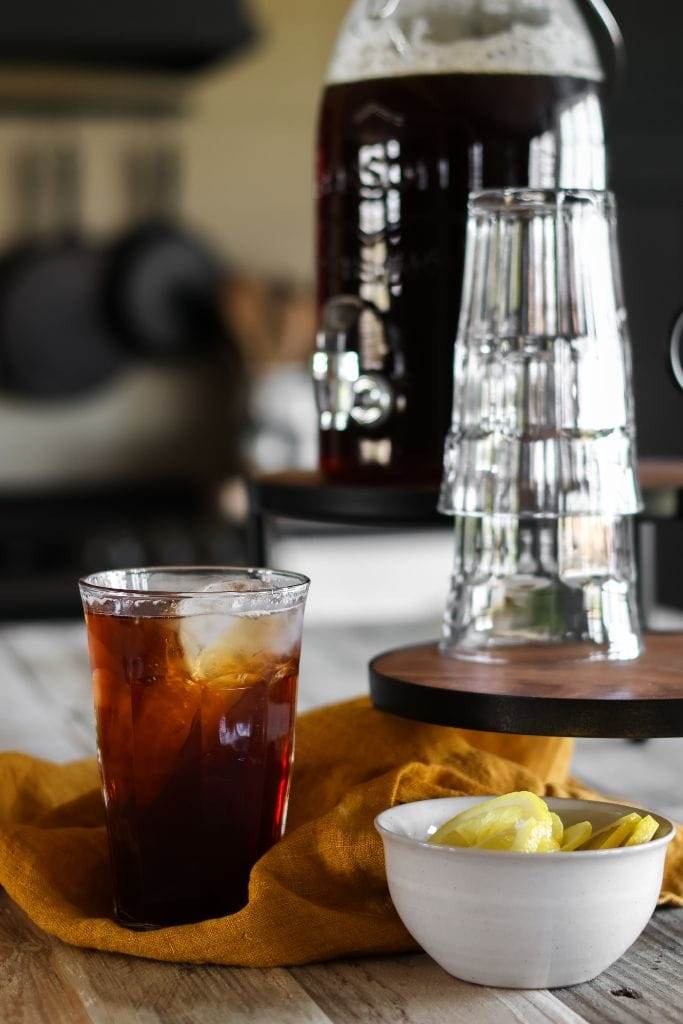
321 892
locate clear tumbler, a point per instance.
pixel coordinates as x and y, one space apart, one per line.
195 677
540 464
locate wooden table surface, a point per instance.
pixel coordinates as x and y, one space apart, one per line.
47 711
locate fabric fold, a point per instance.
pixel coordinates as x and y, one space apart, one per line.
318 894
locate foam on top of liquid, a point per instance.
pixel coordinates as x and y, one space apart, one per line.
413 37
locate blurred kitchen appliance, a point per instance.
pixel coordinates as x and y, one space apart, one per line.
425 100
147 34
94 316
119 382
104 293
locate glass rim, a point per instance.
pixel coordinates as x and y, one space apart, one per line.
534 200
92 585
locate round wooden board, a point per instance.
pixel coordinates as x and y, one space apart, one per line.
541 691
309 496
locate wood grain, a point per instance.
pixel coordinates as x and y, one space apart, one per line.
537 689
652 473
42 981
51 667
655 474
644 986
44 694
46 690
547 672
31 991
647 774
413 988
122 990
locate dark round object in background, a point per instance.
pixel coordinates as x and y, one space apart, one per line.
162 292
54 342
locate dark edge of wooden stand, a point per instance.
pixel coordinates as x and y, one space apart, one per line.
534 716
308 496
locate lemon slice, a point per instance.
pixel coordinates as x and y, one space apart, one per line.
473 832
558 828
643 832
530 805
613 835
528 836
521 805
522 823
502 840
532 835
576 835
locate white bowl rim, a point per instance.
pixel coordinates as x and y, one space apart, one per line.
510 855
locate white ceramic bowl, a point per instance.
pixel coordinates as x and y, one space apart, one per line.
520 920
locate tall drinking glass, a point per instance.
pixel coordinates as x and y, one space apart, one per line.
540 464
195 675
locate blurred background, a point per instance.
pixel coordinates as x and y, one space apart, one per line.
157 311
156 226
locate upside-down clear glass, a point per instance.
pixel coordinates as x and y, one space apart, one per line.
195 674
540 463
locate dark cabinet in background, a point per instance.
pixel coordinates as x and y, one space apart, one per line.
645 134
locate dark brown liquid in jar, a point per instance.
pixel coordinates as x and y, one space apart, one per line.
397 158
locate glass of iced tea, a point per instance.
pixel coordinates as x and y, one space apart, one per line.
195 676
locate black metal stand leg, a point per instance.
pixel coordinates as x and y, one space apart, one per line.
646 553
646 556
257 540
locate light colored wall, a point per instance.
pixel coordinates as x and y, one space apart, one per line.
250 142
249 154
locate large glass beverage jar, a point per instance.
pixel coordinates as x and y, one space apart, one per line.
424 101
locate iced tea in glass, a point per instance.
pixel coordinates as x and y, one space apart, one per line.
195 676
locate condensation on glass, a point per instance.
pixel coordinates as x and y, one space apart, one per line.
540 463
